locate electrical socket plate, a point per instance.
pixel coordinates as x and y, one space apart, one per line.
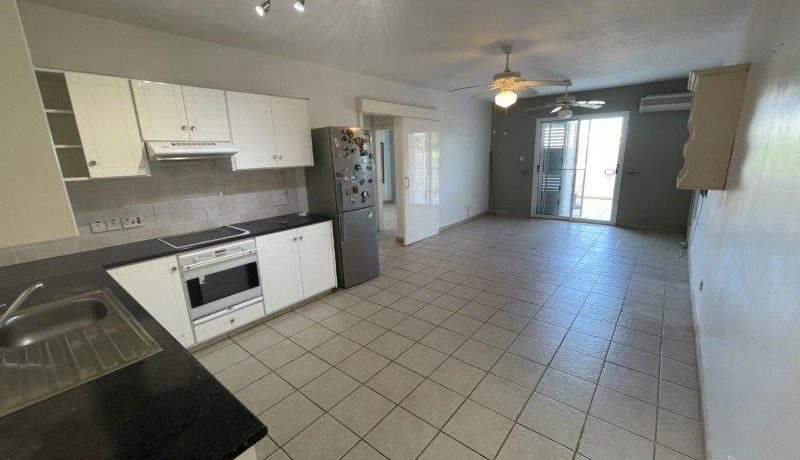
98 226
133 221
113 224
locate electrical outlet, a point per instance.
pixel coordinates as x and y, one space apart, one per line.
98 226
113 224
133 221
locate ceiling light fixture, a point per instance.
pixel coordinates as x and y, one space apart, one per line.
505 98
300 5
263 8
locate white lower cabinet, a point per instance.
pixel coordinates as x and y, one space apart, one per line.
296 264
157 285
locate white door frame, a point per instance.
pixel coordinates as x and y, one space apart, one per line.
364 107
617 181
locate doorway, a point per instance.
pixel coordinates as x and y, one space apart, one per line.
405 140
384 148
577 165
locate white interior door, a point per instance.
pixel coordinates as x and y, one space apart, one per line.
417 165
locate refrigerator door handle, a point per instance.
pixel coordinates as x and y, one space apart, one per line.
339 194
342 232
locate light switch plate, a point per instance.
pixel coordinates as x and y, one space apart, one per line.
114 224
133 221
98 226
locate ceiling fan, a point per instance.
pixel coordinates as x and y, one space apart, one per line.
562 104
509 82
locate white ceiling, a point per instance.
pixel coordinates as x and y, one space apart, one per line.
445 44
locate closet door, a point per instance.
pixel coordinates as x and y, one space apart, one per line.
161 111
207 114
106 122
251 130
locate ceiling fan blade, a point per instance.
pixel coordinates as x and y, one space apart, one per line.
533 82
482 93
589 104
471 87
557 109
541 107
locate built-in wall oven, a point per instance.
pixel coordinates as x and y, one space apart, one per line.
220 279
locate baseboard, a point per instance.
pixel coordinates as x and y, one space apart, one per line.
655 228
463 221
699 358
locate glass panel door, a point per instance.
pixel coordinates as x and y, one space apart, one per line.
558 147
418 156
578 161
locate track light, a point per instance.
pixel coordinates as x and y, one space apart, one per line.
263 8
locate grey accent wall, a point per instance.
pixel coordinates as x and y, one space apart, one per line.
654 145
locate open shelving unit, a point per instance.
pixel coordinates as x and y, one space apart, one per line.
63 128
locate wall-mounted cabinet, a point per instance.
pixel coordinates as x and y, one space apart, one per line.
716 103
270 131
92 124
169 112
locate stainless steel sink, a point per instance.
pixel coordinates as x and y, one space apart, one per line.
49 348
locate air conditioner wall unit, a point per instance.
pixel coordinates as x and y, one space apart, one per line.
665 102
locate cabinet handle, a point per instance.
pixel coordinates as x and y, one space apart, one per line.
274 157
193 128
301 237
174 269
92 163
184 128
232 320
280 157
294 239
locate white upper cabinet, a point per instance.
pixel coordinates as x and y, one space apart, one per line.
252 130
106 121
169 112
292 132
206 113
162 114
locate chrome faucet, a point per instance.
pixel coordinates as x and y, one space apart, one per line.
18 302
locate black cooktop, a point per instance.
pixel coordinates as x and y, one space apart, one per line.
189 240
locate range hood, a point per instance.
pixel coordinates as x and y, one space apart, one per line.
187 150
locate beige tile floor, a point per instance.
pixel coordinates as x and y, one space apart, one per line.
502 338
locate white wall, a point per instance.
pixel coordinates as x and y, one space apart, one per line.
66 40
745 249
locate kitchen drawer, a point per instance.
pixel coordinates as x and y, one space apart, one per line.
228 321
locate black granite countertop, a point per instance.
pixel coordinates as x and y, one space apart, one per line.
167 406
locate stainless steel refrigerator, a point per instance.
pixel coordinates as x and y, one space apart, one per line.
341 185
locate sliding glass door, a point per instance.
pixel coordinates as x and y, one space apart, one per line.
577 161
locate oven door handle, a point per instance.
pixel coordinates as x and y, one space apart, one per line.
206 263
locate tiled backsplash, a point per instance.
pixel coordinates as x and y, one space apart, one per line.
179 197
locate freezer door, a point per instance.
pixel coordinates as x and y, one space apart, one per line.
357 246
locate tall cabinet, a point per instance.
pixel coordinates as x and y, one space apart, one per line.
35 204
